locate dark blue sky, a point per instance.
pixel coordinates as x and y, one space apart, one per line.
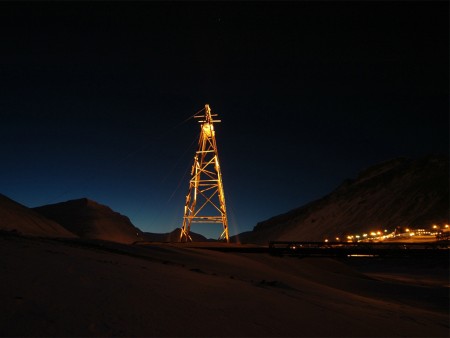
94 98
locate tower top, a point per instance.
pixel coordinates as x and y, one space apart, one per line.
206 116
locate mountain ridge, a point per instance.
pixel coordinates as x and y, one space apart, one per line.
91 220
398 192
17 218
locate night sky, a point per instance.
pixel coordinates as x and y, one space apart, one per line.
95 100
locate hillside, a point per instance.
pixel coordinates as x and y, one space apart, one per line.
20 219
91 220
400 192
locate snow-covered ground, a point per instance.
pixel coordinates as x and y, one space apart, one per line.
79 288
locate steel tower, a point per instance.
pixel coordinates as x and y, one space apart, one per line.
205 201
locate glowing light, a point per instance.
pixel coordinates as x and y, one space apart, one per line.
407 230
446 226
373 233
364 235
360 255
208 129
326 240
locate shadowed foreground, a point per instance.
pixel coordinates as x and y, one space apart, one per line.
79 288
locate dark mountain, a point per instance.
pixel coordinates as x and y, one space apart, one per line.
91 220
173 236
400 192
20 219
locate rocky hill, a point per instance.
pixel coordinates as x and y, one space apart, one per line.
17 218
400 192
91 220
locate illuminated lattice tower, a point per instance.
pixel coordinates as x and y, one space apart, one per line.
205 201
